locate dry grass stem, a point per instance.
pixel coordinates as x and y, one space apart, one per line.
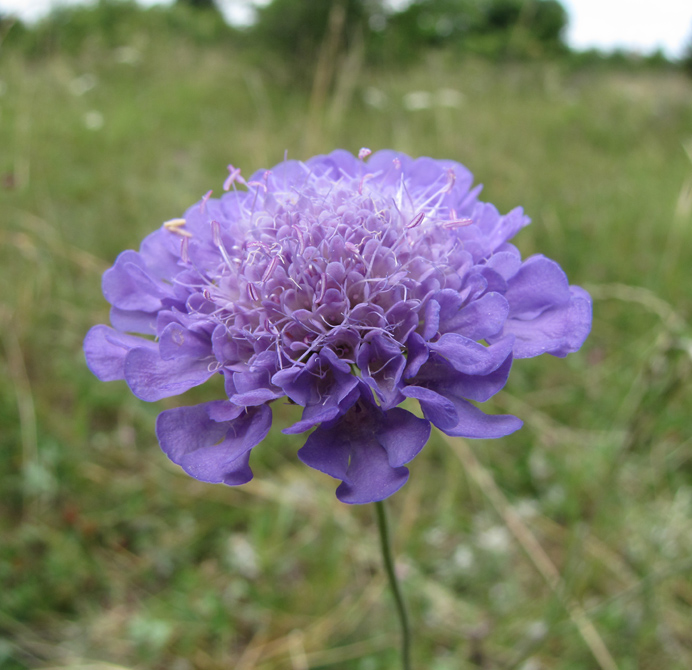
534 551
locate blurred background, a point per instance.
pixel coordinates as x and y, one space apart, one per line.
565 546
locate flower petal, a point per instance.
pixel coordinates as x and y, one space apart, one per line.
151 378
539 284
129 286
105 350
370 477
558 331
474 423
133 321
470 357
366 448
212 451
478 319
403 435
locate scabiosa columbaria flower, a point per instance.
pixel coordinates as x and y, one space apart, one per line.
345 286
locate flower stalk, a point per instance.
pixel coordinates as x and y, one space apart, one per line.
385 546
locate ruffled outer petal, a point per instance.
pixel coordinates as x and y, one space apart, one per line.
366 448
129 286
106 349
444 393
133 321
546 314
477 320
558 331
470 357
210 449
151 378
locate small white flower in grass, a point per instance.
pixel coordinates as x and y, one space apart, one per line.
435 537
127 55
241 556
539 466
495 540
463 558
537 630
83 84
527 508
375 97
417 100
93 120
449 97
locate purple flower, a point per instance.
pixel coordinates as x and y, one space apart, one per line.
346 287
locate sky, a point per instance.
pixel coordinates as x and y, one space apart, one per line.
635 25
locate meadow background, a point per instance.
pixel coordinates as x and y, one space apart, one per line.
567 545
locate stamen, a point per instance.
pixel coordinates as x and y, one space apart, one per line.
457 223
205 199
216 233
416 221
364 153
363 180
323 289
451 180
175 226
252 292
233 176
301 238
271 266
184 249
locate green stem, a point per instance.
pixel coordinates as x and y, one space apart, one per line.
383 527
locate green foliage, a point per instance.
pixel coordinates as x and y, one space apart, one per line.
494 28
296 30
686 60
110 555
74 29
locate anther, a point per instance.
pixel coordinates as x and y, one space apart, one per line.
259 184
457 223
216 233
364 153
271 266
416 221
252 292
175 226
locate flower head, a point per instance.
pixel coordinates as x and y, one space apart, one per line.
345 284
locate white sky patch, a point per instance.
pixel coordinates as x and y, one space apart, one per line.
637 25
634 25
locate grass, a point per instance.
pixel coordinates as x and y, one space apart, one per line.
112 558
